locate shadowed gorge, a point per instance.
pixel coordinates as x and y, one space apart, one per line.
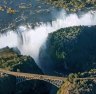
48 46
70 49
13 61
29 40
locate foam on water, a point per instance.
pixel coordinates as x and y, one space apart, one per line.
29 40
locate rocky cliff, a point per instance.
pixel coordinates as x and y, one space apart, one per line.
11 59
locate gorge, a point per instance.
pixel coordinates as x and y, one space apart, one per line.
29 40
42 38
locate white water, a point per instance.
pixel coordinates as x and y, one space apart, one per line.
29 40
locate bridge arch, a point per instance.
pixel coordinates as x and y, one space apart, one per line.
21 77
56 83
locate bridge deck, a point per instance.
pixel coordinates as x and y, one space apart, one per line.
38 76
29 75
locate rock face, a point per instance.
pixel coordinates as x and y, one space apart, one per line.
10 60
70 50
79 87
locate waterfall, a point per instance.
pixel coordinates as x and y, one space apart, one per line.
29 40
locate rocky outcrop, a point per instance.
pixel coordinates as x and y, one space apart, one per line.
73 85
14 61
71 49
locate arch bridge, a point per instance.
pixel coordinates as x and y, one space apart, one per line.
21 77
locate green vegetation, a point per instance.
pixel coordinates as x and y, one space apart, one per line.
5 6
78 87
73 5
1 8
11 60
57 42
9 10
73 85
71 49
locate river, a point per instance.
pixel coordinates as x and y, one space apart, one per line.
29 27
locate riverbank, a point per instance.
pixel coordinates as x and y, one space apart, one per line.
73 5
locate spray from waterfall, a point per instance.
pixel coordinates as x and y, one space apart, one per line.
29 40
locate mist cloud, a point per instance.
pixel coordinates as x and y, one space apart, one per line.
29 40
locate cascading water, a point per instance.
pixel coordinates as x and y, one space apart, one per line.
29 40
